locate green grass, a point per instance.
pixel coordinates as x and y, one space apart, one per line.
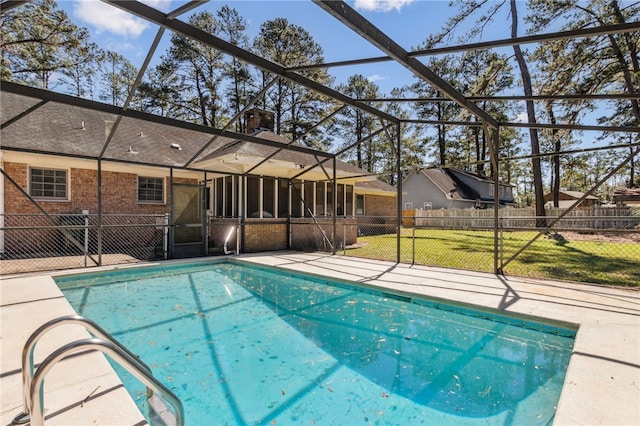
600 262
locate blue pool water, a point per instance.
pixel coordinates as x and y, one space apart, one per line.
241 344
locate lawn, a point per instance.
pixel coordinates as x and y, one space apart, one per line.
600 262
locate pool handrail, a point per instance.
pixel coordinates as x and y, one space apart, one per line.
123 357
226 240
30 346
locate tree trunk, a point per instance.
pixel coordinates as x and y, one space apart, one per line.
531 115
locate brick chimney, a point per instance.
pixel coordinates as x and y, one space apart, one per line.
258 119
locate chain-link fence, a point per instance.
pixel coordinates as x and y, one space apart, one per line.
591 245
599 247
37 242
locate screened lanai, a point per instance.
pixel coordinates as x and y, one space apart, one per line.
220 168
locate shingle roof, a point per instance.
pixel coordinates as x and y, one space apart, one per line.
375 186
58 128
63 129
626 194
447 184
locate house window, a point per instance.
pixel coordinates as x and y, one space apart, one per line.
360 204
340 204
408 206
253 196
320 198
268 197
296 198
150 190
309 191
428 205
283 198
48 184
348 200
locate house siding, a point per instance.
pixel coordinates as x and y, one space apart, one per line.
419 189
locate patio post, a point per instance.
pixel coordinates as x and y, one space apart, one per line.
99 211
335 207
399 193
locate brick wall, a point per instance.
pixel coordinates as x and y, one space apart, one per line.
272 234
306 236
265 235
119 193
119 196
379 205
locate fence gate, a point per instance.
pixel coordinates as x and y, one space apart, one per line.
188 236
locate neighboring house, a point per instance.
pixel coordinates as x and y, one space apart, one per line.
626 197
448 188
567 198
50 149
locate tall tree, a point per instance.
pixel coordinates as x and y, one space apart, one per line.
118 76
445 142
159 94
412 147
296 108
232 29
200 71
37 40
80 78
531 116
489 11
596 64
355 125
484 73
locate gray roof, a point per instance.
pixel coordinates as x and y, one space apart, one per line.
62 129
626 194
49 124
446 184
375 187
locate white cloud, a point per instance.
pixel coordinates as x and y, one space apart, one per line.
381 5
105 17
376 77
158 4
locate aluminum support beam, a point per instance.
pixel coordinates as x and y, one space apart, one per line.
538 38
179 27
352 19
111 109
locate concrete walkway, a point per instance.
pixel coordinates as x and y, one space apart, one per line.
602 386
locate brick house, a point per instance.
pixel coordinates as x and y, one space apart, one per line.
275 192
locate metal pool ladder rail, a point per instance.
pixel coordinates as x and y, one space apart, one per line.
33 384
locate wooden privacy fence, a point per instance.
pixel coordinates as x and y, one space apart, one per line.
591 218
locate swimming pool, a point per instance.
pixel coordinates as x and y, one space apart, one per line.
251 345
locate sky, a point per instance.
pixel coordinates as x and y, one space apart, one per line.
408 22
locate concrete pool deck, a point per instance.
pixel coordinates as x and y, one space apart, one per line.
602 385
